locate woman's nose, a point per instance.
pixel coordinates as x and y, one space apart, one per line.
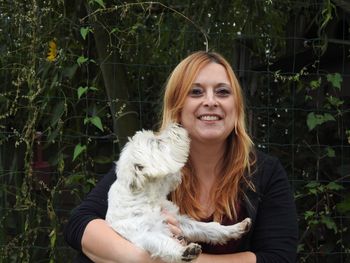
210 100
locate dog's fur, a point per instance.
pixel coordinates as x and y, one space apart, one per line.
147 171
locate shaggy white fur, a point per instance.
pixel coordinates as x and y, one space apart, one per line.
147 171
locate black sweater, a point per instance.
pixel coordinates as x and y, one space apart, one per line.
274 233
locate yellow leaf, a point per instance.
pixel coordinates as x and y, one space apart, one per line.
52 54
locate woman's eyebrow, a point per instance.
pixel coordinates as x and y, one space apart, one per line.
223 84
216 85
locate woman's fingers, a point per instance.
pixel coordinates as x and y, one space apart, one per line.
170 218
175 230
172 223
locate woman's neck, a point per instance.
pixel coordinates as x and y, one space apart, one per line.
206 160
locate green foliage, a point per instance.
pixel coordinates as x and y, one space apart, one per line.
98 2
81 60
314 120
336 80
78 150
84 31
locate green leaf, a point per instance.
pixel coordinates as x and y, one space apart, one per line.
335 101
101 159
81 60
93 88
81 91
315 84
329 222
308 214
115 30
78 150
327 117
313 191
86 120
336 80
307 97
99 2
314 120
84 31
313 187
330 152
53 237
334 186
95 120
311 121
74 179
312 184
301 248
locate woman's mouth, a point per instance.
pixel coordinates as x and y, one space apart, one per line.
209 117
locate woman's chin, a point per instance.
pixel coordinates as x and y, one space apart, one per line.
209 137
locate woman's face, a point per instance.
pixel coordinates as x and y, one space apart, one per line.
209 112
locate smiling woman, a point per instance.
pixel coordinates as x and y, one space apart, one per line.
224 179
203 94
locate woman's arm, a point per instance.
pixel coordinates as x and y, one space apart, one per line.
88 232
275 232
242 257
103 245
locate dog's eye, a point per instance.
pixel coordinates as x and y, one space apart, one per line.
138 167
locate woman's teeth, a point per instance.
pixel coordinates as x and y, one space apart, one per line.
209 118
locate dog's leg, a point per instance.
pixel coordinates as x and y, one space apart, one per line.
212 232
167 248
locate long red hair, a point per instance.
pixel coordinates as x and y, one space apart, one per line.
238 157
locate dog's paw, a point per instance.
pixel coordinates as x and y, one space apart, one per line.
239 229
246 224
191 252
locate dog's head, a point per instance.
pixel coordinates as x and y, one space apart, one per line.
148 156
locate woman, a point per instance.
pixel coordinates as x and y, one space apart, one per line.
224 179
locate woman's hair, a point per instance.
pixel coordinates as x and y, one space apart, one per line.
228 190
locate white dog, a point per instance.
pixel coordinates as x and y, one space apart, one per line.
147 171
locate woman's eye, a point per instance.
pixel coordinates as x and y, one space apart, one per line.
223 92
196 92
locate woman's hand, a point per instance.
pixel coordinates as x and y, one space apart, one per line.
172 223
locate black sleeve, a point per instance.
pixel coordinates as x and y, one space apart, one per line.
94 206
275 235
